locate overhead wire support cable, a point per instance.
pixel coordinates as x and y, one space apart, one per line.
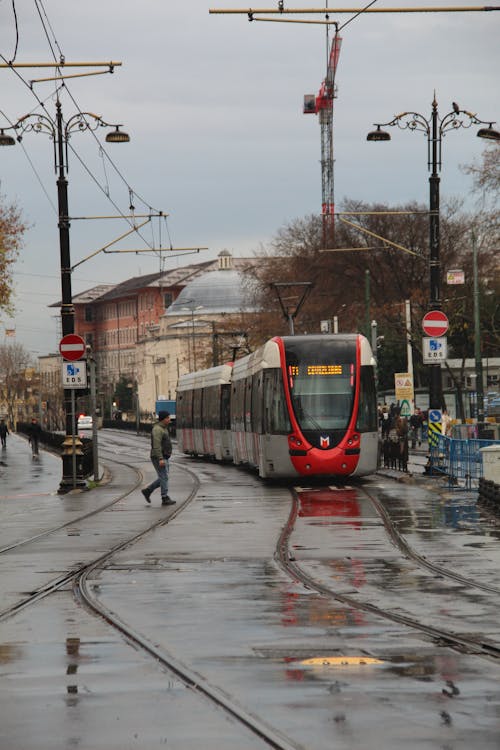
418 9
158 215
62 64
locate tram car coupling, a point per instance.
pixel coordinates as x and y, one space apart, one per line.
298 406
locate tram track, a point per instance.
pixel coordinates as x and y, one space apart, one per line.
190 679
407 550
462 643
70 576
77 519
208 688
82 591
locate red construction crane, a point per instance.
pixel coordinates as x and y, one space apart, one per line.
322 105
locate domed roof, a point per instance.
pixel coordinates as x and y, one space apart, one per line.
214 292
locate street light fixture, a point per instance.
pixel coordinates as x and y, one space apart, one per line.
434 128
60 133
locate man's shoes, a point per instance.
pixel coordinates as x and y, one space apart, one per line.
147 495
167 501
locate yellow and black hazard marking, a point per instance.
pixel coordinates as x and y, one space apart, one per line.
434 430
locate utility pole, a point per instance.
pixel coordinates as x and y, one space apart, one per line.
290 311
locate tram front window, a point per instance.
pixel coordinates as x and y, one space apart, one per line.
321 378
322 403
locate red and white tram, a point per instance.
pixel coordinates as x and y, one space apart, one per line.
300 406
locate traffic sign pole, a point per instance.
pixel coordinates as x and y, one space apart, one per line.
71 348
435 323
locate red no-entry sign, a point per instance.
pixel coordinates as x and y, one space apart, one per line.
72 347
435 323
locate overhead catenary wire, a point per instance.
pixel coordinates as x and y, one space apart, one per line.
58 64
17 31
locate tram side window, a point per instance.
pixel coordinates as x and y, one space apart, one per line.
257 403
367 412
275 415
185 408
237 404
197 406
248 405
210 407
225 413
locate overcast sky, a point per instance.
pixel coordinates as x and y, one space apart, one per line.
213 105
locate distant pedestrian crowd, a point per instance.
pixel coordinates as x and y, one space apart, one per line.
398 433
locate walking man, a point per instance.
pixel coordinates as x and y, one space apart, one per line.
4 431
34 435
161 450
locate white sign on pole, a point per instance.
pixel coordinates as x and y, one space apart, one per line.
455 276
74 374
434 350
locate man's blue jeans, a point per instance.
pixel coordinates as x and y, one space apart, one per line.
162 477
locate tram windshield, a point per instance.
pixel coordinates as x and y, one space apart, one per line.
321 378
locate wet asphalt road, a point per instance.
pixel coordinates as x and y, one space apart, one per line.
207 589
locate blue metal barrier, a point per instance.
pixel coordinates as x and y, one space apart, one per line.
460 460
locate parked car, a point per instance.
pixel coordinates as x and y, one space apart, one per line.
84 422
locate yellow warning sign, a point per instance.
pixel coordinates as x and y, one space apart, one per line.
403 386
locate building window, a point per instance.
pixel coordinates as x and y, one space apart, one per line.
168 298
89 313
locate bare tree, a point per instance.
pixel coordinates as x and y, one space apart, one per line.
486 175
12 230
14 360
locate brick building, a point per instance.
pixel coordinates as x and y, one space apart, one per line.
119 321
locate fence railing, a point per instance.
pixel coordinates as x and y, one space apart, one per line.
460 460
53 442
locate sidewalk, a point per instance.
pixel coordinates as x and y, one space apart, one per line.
23 475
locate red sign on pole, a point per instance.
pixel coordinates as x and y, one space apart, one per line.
435 323
72 347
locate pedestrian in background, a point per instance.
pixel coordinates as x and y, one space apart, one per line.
385 422
34 435
416 427
446 423
4 431
161 450
401 427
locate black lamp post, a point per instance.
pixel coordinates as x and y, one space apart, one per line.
60 133
434 129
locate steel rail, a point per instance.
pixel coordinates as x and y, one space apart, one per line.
405 547
464 644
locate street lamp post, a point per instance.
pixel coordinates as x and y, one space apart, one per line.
477 338
60 133
434 128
